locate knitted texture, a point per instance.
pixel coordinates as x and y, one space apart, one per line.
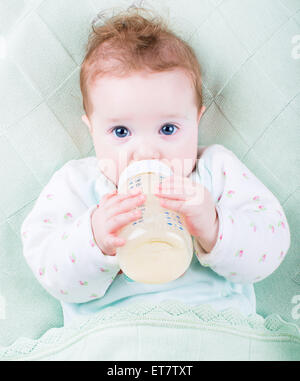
167 314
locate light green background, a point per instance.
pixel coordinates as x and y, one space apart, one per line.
251 86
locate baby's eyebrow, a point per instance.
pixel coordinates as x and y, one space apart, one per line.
169 116
175 116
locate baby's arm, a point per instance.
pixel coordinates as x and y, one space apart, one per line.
253 233
58 241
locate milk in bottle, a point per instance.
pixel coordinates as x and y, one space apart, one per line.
158 247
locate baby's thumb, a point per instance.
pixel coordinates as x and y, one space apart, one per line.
112 242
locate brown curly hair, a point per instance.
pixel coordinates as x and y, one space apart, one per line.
129 42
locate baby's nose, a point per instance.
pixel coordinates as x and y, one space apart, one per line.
146 153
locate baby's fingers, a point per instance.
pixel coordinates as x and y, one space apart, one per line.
114 241
112 201
111 242
126 205
118 221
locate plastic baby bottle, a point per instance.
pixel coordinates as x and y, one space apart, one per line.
158 247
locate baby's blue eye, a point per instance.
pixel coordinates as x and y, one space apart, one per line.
120 131
169 128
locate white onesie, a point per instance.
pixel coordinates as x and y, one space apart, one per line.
59 246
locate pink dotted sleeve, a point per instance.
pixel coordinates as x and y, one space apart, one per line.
254 235
58 242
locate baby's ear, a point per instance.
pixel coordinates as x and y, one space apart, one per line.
201 113
87 123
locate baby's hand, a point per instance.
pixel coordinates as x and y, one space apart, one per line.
115 211
195 203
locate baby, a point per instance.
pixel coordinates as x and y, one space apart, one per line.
141 88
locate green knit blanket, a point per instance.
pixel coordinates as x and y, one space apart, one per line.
167 331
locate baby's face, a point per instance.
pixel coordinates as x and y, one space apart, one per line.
142 117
